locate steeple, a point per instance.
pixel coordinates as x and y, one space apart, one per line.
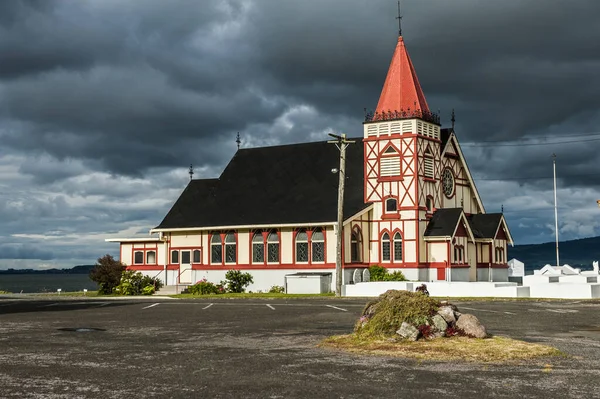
401 91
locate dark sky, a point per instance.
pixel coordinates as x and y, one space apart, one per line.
105 103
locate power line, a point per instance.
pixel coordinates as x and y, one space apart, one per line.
535 178
484 144
535 138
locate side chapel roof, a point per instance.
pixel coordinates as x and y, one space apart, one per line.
443 222
287 184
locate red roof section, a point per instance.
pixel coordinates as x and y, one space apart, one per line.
401 90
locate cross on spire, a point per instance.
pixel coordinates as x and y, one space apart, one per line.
399 18
453 118
191 171
238 140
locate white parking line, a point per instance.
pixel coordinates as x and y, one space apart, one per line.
270 307
8 304
481 310
52 304
562 310
151 306
206 307
335 307
103 304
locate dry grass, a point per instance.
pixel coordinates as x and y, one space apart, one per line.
490 350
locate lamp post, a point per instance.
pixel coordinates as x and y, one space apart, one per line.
341 143
555 209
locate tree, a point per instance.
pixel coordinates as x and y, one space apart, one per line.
107 273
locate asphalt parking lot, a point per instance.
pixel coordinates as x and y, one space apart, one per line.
161 348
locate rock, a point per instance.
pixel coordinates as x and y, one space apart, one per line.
439 323
408 332
448 304
447 313
471 326
437 334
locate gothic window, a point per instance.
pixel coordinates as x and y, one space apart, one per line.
459 254
428 164
150 257
385 247
499 255
216 249
318 246
258 248
397 247
448 183
138 257
230 248
196 256
355 246
301 246
273 247
174 257
429 204
391 205
389 164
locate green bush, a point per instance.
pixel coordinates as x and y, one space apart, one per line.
5 292
135 283
237 281
204 287
379 273
277 289
107 274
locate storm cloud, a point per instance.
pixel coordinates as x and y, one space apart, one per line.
104 104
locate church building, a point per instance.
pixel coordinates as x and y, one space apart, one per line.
410 204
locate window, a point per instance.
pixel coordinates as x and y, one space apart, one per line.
391 205
389 165
459 254
174 257
429 204
273 247
428 167
138 257
385 247
230 248
301 246
397 247
355 246
150 257
258 248
499 255
318 246
185 257
216 249
196 256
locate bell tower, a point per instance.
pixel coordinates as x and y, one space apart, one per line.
402 164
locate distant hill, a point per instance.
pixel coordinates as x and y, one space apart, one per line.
578 253
81 269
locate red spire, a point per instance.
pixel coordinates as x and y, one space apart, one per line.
401 90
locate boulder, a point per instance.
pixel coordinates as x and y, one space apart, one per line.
447 313
471 326
439 323
409 332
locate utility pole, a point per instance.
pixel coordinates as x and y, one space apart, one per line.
555 209
341 143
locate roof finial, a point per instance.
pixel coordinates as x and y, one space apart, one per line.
453 118
238 141
399 18
502 208
191 171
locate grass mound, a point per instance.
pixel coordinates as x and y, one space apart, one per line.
384 316
492 350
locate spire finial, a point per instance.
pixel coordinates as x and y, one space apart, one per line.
238 141
453 118
191 171
502 208
399 18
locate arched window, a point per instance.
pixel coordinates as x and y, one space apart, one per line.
138 257
150 257
216 249
174 256
397 247
258 247
301 246
196 256
499 255
356 245
318 246
230 248
273 247
429 204
391 205
385 247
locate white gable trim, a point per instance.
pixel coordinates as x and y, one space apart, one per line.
467 227
464 162
509 236
243 227
360 213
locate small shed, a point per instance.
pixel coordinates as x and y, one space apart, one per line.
308 283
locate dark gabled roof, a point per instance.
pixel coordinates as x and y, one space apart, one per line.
445 136
273 185
443 222
484 225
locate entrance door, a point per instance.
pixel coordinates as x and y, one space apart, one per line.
185 268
